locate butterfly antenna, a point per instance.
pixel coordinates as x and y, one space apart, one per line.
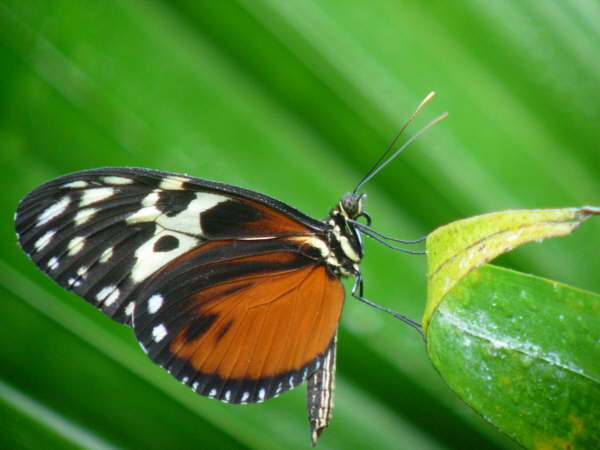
368 230
389 148
375 170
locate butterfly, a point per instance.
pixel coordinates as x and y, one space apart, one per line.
234 293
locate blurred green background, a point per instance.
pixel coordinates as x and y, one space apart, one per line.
295 99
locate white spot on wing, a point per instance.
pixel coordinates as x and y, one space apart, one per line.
95 195
148 212
159 332
212 393
75 184
53 211
44 240
148 261
117 180
106 255
261 394
82 271
129 308
184 380
227 395
112 297
84 215
75 245
173 183
195 385
245 397
188 220
151 199
73 282
154 303
105 292
52 263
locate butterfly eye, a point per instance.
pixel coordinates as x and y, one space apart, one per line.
351 203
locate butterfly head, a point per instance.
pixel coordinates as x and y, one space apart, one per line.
351 206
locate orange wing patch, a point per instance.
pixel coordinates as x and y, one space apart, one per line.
266 328
269 326
245 328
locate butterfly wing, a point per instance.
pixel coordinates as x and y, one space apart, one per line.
226 288
243 326
101 233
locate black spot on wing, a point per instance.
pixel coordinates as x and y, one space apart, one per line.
228 218
173 202
200 326
223 331
166 244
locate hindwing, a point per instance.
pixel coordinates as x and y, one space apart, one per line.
243 327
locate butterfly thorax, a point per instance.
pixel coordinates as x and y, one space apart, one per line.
344 241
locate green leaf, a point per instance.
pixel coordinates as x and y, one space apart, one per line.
522 351
456 249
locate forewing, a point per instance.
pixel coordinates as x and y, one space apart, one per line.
103 233
244 327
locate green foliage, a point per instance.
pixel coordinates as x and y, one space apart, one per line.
294 99
521 350
455 249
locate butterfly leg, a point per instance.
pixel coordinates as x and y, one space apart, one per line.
357 293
